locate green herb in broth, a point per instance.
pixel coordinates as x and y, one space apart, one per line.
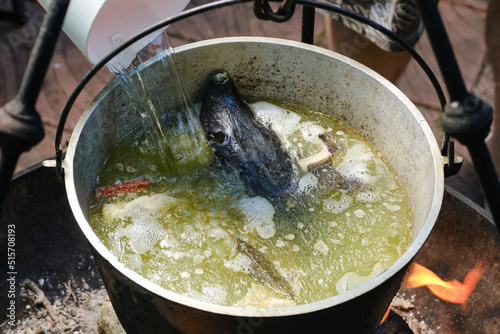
181 233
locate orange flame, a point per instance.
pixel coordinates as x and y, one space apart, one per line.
386 314
451 291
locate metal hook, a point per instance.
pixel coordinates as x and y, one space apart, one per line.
263 10
452 163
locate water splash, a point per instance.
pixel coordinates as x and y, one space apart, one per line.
175 136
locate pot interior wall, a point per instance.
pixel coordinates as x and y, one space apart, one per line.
306 76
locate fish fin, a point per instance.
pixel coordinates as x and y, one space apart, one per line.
262 269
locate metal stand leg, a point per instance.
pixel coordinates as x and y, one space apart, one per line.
308 17
467 117
20 125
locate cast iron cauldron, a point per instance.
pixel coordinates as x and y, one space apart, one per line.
300 74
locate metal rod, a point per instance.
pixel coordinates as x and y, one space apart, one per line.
488 177
405 46
20 124
308 17
443 50
468 122
42 52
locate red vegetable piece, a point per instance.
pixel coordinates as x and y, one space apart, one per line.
123 188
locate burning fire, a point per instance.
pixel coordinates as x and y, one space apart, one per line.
386 313
451 291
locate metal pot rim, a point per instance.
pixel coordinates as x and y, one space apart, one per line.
399 264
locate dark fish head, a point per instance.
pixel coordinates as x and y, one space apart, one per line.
225 117
241 142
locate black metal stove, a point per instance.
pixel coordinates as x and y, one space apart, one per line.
461 236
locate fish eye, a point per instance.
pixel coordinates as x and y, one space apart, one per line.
221 78
218 137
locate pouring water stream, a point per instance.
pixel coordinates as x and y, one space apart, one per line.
174 136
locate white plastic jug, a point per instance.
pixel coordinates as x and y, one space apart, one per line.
99 26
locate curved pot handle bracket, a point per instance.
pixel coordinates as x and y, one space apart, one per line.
263 10
452 163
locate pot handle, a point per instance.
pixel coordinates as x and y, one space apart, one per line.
452 163
452 167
